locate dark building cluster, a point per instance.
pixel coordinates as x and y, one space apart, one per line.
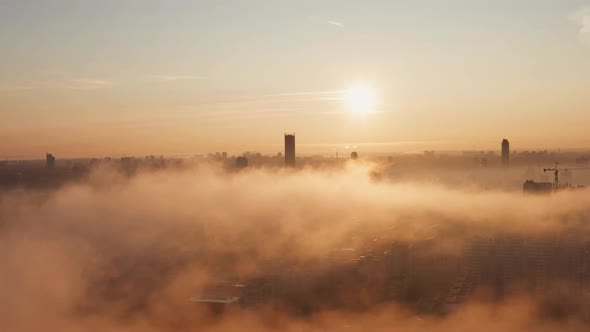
557 266
456 168
241 162
53 172
419 276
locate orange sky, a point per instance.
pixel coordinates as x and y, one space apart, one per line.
156 78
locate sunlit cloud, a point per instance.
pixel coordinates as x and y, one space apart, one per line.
92 81
297 96
88 83
279 104
150 254
280 98
304 93
170 78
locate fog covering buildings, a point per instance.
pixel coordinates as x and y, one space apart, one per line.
189 243
457 169
530 186
241 162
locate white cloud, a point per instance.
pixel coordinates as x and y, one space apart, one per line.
581 18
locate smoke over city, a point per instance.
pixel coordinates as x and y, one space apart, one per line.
120 253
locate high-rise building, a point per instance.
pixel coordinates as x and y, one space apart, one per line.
290 150
241 162
50 161
505 152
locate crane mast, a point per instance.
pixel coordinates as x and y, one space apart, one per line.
556 171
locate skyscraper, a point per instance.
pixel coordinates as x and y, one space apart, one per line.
50 161
290 150
505 152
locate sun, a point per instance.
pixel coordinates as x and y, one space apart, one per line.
361 98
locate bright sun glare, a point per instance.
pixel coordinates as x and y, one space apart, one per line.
361 98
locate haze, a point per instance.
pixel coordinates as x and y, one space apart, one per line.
220 166
99 78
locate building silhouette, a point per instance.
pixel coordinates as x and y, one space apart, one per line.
354 155
50 162
531 186
505 152
241 162
290 150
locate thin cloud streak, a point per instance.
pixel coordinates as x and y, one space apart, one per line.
171 78
303 93
336 23
285 97
335 98
92 81
11 88
239 103
88 84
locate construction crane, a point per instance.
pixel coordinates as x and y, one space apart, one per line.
556 171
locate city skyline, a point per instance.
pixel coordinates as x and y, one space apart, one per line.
327 151
140 78
296 165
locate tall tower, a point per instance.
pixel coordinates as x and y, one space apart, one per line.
505 152
290 150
